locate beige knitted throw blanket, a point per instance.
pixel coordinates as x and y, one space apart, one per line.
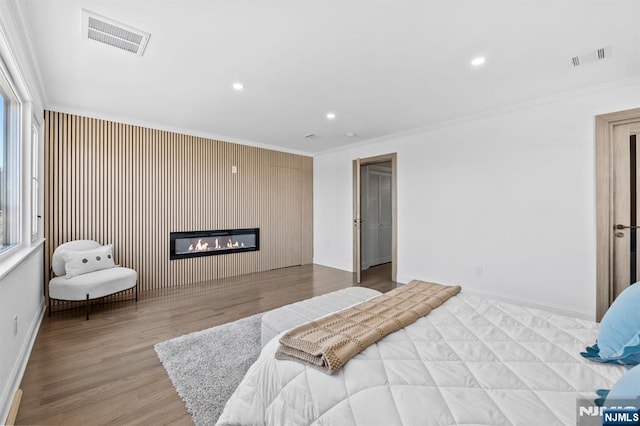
329 342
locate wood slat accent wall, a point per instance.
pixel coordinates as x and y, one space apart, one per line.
132 186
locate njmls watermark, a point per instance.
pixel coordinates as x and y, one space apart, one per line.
619 412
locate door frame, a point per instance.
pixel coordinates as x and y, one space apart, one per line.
604 203
357 252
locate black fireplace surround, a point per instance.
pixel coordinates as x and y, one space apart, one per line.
211 243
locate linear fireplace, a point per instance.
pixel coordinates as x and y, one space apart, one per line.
210 243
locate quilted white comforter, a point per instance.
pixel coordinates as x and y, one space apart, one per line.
470 361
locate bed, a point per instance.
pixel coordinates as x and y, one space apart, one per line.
472 360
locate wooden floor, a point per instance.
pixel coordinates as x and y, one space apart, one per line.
105 370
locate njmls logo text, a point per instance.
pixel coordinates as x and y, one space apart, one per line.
592 410
620 412
621 417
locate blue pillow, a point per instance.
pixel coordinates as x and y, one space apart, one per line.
627 388
619 335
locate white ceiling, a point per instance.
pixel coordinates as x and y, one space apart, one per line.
383 66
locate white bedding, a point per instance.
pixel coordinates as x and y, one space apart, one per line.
470 361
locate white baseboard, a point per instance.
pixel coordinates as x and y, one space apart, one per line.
345 268
21 364
402 280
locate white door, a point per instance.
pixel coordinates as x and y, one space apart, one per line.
385 225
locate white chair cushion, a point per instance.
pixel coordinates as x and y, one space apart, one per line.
95 284
85 261
58 262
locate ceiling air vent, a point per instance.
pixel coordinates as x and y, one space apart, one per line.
602 53
594 56
112 33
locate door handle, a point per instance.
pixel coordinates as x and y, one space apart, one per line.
619 226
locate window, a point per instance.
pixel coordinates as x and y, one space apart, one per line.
9 164
3 175
34 181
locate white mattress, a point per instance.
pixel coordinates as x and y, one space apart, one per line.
289 316
471 361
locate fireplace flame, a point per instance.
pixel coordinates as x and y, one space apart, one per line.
204 246
234 244
199 246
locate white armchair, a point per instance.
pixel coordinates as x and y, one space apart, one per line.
85 270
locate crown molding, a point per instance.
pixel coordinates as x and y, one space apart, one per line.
173 129
494 112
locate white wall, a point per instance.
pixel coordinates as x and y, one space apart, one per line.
21 275
502 204
21 297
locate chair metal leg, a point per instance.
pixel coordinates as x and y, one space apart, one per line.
136 292
49 306
87 307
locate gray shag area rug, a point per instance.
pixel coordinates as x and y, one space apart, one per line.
207 366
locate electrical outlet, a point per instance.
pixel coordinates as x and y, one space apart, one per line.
15 326
234 169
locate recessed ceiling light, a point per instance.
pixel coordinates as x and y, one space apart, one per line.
350 135
331 115
476 62
238 86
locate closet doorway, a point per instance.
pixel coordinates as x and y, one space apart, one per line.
375 218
